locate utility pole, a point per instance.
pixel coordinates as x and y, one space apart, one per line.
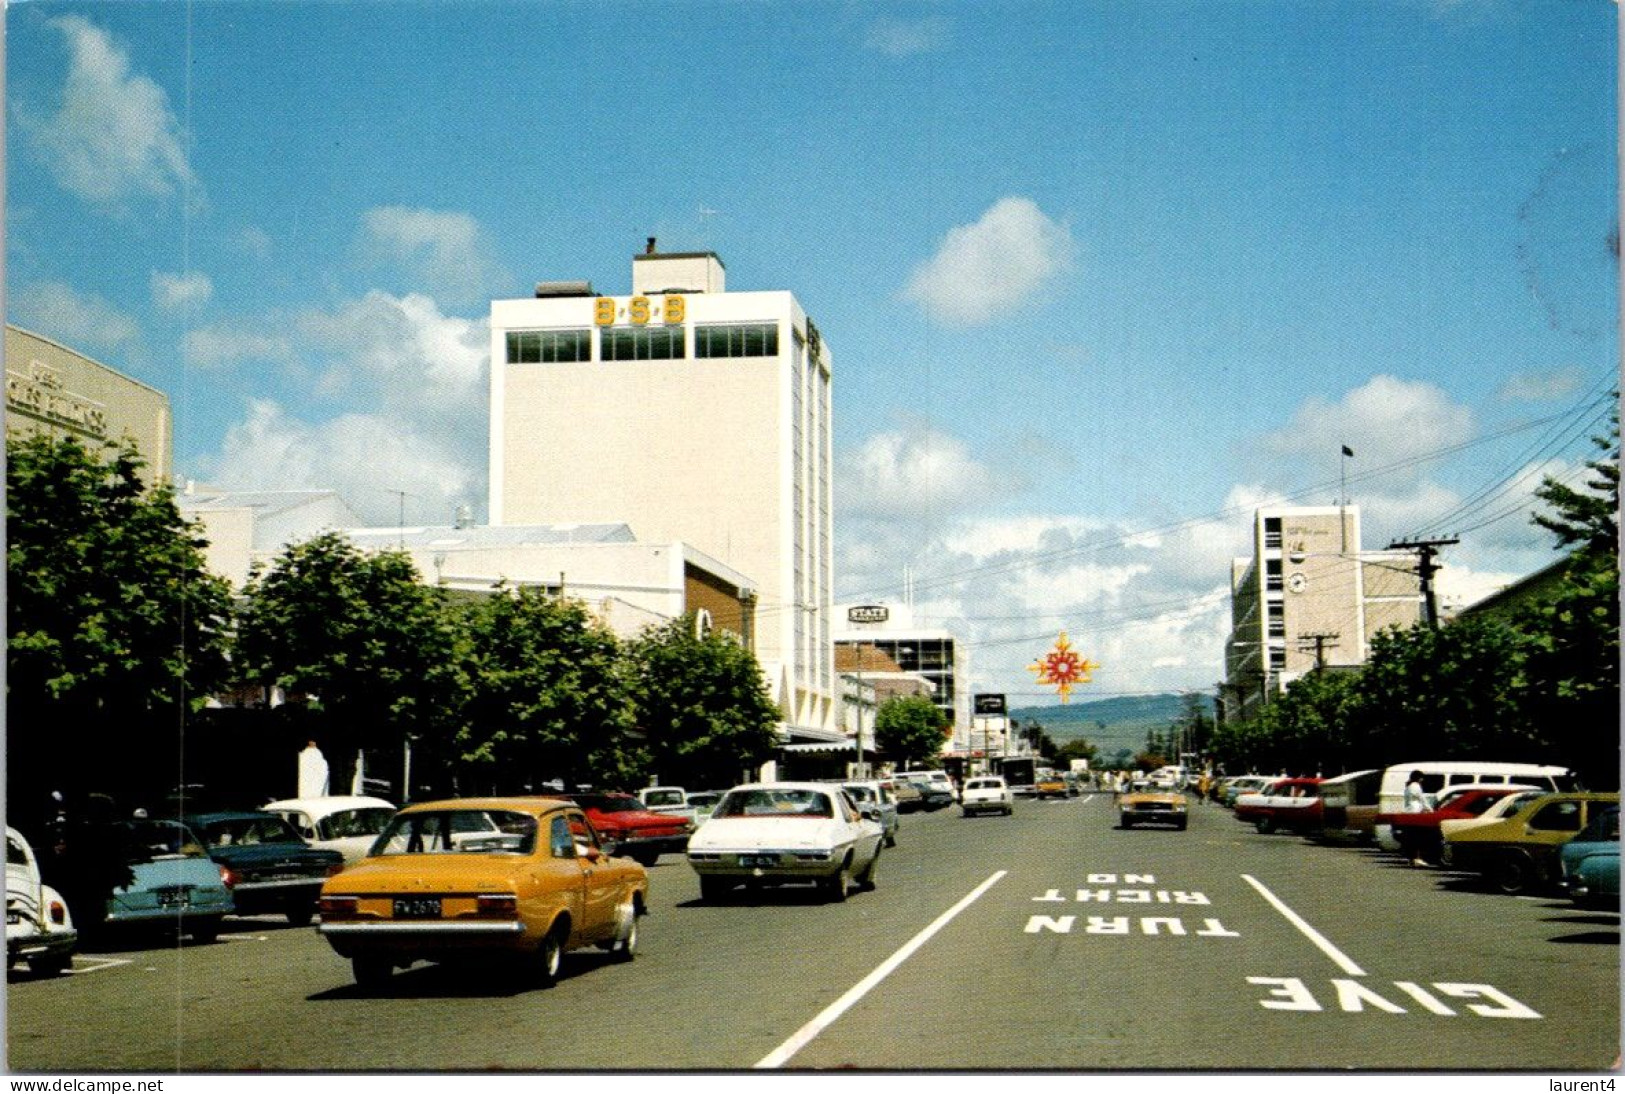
1425 550
1321 642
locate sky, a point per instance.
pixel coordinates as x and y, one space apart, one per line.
1098 278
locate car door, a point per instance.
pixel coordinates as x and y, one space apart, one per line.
1552 825
600 881
865 835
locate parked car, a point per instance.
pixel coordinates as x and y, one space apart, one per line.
1589 863
1050 785
703 802
935 778
625 827
346 823
1153 804
1498 811
1440 775
39 925
778 832
1418 835
1520 852
874 799
1348 805
668 799
909 797
264 863
986 794
1284 803
1237 785
491 878
173 881
932 795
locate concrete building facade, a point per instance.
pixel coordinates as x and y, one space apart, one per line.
692 414
931 653
1308 597
54 390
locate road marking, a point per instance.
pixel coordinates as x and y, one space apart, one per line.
103 963
803 1036
1309 932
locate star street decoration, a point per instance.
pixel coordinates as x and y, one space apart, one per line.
1062 668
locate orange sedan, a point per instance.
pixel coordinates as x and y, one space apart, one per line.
483 878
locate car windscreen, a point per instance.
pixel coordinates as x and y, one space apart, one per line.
349 823
608 803
240 831
145 841
663 797
457 831
860 793
774 803
15 855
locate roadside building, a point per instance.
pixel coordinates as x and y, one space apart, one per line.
60 392
249 527
1308 597
932 653
692 414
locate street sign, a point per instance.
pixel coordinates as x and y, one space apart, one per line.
868 613
989 704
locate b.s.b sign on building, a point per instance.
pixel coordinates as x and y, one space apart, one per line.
868 613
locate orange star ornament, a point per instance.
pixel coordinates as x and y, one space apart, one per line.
1062 668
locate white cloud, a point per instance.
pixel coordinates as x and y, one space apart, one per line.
221 345
912 474
114 137
365 457
177 292
1541 387
84 321
990 268
1384 421
251 241
445 252
906 37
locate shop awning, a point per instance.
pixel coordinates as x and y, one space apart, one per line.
845 745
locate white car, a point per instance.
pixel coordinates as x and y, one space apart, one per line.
39 927
774 833
668 799
346 823
986 794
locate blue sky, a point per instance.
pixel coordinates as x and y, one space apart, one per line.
1098 278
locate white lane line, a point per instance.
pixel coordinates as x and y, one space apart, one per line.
1309 932
102 963
804 1035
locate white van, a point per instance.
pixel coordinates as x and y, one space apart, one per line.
1437 775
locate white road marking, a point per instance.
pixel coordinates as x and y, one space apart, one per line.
803 1036
101 963
1309 932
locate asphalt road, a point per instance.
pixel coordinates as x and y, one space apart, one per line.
1050 939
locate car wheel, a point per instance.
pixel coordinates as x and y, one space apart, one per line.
866 880
1264 825
205 931
49 964
300 914
837 884
1181 825
1514 873
644 858
1009 810
624 947
891 840
550 957
371 971
713 889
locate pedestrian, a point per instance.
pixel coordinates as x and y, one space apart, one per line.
1416 801
1204 783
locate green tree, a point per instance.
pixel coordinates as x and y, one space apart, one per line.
1076 749
362 640
910 729
1308 726
116 630
702 705
547 697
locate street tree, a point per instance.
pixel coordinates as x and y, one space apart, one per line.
702 705
117 632
359 640
910 729
547 697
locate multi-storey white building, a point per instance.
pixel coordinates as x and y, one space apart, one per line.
691 414
1308 597
931 652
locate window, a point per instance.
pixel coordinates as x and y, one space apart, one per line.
1557 817
539 347
737 340
640 344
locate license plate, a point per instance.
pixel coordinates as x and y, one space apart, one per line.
173 898
758 860
417 908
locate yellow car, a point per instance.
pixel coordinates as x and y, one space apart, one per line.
1152 805
473 878
1051 786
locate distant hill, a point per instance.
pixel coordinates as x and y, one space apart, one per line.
1110 724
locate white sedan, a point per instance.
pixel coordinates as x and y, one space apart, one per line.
986 794
774 833
345 823
39 928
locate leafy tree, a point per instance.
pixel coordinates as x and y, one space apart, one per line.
361 639
1076 749
910 729
547 696
702 705
116 630
1309 725
1587 518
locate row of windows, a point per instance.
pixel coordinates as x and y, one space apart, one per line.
545 347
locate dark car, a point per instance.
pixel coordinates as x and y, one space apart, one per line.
932 796
267 867
627 827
